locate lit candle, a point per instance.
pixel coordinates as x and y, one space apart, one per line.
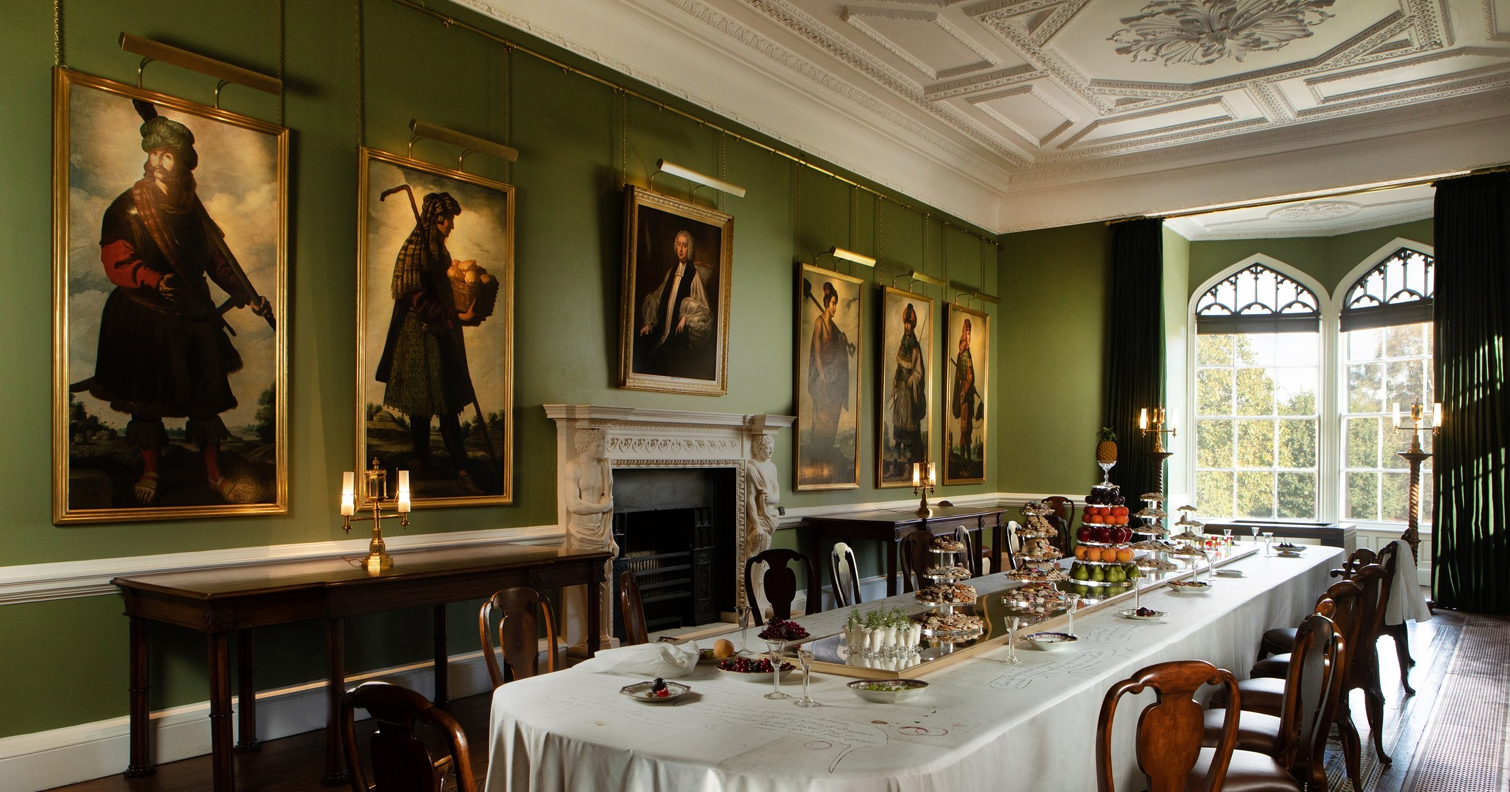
348 494
1174 417
1397 415
403 491
917 474
1143 418
932 475
1436 415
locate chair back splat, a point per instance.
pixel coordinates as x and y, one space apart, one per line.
399 759
521 610
1318 666
844 576
1170 730
632 609
914 558
779 583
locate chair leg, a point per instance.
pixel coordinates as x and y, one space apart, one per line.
1373 705
1402 653
1352 748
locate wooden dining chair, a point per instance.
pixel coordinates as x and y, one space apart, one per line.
1064 512
1279 639
780 582
973 557
632 609
521 611
914 558
400 760
1171 729
1310 700
844 576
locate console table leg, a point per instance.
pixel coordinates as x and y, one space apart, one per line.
222 758
815 586
140 763
246 692
891 569
335 684
594 612
442 691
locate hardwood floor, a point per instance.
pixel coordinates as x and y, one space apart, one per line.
1412 732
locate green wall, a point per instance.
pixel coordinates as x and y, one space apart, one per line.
1055 282
1327 259
571 136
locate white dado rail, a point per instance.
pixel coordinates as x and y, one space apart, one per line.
636 437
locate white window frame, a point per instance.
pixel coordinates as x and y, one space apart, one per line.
1329 420
1339 381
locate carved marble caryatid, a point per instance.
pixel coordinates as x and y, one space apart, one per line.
588 485
763 492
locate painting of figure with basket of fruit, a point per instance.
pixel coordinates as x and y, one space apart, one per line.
435 351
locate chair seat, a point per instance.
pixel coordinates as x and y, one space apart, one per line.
1265 695
1277 641
1248 772
1256 731
1277 667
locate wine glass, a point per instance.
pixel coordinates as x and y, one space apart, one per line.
1227 540
776 647
1012 622
744 613
1075 603
1254 529
1268 543
805 657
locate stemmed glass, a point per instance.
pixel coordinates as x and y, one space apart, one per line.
1226 540
744 614
1075 603
1012 622
1254 529
776 648
1268 543
805 657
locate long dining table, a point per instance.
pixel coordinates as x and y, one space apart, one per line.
980 725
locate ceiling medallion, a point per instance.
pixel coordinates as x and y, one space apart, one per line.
1315 211
1202 32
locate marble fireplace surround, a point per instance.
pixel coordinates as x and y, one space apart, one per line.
638 437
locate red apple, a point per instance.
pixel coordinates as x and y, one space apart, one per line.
1084 534
1101 534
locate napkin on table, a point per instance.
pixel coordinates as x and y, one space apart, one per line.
664 660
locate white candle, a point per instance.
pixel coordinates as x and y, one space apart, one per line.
1436 415
348 494
1174 418
1143 418
917 474
932 475
403 491
1397 415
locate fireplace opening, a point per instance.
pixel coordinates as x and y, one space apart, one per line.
675 531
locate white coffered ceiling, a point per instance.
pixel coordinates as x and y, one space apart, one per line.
1019 114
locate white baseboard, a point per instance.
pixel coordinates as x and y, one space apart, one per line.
48 759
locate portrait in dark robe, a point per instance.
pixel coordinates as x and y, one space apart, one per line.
828 379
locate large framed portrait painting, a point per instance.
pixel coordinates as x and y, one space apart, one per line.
829 318
435 340
966 386
674 333
169 372
906 386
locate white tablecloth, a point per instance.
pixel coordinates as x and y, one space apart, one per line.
980 725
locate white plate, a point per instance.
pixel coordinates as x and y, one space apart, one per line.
908 689
1129 613
640 691
1052 641
758 676
1229 573
1189 590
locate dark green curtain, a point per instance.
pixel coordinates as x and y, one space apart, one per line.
1135 350
1471 545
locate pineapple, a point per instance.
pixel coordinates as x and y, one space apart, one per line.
1106 450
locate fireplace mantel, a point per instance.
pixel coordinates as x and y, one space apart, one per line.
638 437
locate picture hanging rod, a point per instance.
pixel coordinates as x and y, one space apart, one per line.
452 22
469 144
662 166
224 72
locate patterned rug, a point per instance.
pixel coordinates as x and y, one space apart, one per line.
1463 747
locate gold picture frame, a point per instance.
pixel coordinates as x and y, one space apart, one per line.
905 387
454 327
830 320
687 353
966 391
170 395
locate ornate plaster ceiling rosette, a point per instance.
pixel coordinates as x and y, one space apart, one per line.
1205 31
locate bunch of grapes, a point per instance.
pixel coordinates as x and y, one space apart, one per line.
779 630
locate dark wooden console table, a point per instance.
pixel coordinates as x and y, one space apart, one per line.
222 601
888 526
1338 534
